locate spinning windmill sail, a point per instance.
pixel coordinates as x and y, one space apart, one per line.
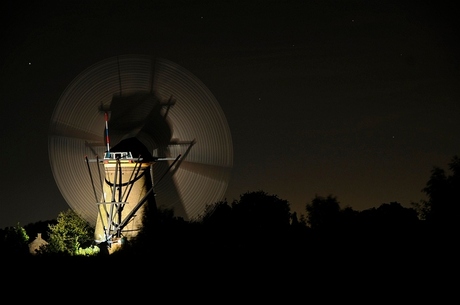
156 109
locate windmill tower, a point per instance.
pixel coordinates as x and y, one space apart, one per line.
126 189
171 144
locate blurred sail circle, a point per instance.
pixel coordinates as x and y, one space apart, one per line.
160 105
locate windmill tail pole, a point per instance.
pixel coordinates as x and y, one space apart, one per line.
106 116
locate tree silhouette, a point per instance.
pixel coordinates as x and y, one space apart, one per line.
323 212
14 241
258 209
218 214
443 191
256 219
388 226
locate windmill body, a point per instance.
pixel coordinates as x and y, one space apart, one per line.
170 144
124 194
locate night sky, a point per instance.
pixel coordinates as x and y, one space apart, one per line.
355 99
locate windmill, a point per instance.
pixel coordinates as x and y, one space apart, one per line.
131 129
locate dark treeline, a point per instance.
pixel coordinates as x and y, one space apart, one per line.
260 227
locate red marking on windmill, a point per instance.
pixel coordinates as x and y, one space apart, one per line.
107 140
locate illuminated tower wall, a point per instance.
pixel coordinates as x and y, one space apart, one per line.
125 187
